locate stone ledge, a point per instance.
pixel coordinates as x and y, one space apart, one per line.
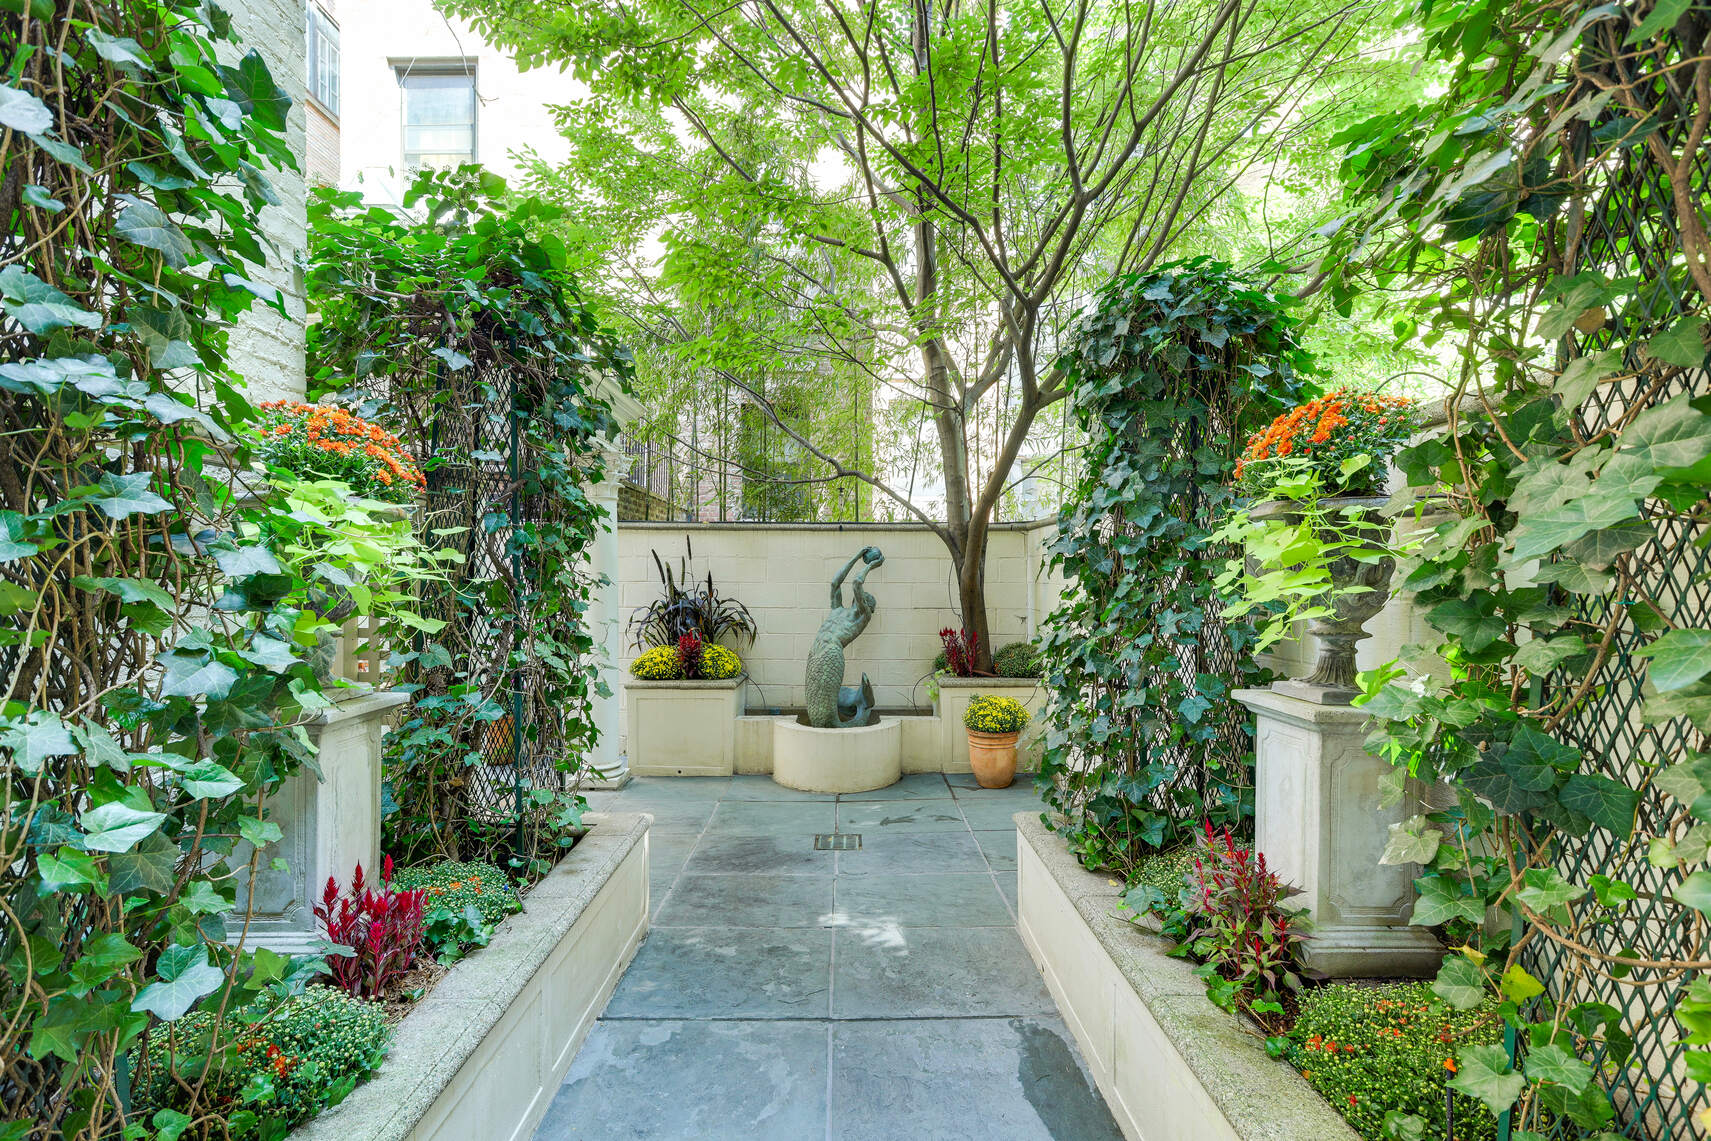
407 1100
1209 1077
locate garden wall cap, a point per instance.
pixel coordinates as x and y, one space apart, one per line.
443 1030
1263 1099
687 682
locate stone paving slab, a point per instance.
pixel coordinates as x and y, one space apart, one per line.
931 900
889 816
913 853
935 972
1017 1079
770 855
748 901
915 786
717 1080
771 818
727 972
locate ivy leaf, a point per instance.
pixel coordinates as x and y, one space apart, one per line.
252 88
118 827
1607 803
1399 1126
1688 781
1518 986
271 654
128 590
38 306
1552 1063
240 561
1412 841
454 359
259 833
1542 655
1483 1072
1474 621
1460 983
151 867
1695 891
1551 530
1682 344
209 780
194 675
118 49
185 976
143 224
67 869
1679 658
35 738
23 112
1441 900
1669 436
127 495
1535 759
201 898
1582 375
1664 14
1601 548
1548 893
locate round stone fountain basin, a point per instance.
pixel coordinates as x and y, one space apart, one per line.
837 760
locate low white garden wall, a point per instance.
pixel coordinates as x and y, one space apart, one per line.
483 1054
783 573
1171 1066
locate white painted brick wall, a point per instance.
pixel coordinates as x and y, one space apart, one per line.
267 349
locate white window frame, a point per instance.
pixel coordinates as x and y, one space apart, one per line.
322 80
412 68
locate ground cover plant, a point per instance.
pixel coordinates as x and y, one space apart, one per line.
1385 1057
464 901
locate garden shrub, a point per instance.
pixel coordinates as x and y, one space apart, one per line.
1017 659
1171 370
465 901
268 1066
320 441
1374 1050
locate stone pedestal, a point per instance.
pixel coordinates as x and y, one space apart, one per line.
330 824
1318 821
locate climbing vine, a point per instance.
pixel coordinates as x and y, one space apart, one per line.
1550 213
459 325
1172 370
154 675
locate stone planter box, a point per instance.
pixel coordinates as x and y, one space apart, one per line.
484 1053
954 695
684 728
1170 1064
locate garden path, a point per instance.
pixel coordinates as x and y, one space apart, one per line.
786 993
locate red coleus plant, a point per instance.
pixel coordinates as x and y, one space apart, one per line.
960 650
381 927
1238 923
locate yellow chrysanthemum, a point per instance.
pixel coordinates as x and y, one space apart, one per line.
995 715
658 664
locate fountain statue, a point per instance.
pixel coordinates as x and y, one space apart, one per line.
831 703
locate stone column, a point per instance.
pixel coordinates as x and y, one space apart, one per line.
605 623
331 823
1319 823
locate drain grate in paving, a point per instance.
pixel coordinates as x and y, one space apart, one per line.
837 841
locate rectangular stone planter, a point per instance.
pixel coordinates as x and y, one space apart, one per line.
1171 1066
483 1054
684 728
954 695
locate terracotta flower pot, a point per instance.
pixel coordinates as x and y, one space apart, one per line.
992 756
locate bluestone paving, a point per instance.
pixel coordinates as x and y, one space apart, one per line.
787 993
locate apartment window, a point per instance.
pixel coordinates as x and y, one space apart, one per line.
323 59
439 114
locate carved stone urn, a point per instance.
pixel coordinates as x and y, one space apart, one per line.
1332 681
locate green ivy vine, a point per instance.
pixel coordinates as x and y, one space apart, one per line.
459 325
1171 371
154 675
